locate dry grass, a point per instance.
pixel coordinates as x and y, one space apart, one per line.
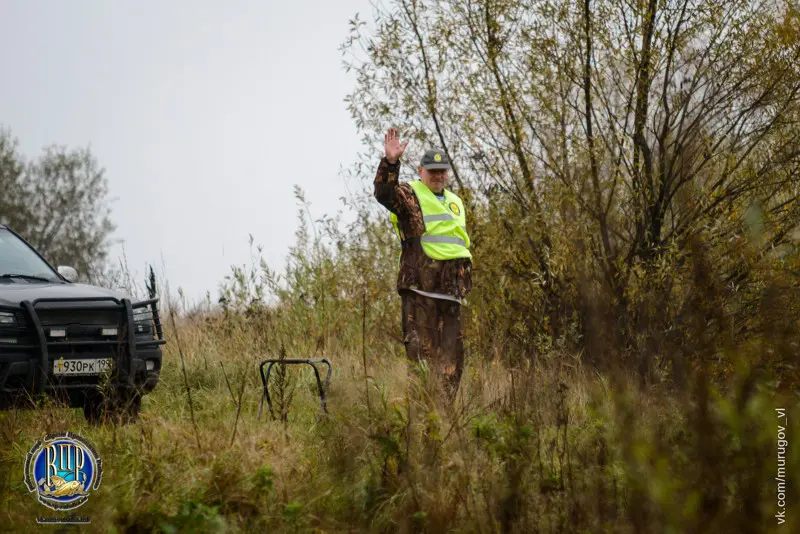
547 448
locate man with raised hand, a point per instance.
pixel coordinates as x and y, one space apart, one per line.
435 263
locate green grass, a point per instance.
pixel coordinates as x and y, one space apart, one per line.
551 448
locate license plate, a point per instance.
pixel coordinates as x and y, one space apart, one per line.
82 367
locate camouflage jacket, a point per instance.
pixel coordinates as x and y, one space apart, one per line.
417 270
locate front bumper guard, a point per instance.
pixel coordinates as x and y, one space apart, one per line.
124 356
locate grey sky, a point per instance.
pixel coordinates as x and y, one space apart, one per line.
204 114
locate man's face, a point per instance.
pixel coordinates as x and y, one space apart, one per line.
436 180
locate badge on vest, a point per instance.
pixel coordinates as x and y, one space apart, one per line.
454 208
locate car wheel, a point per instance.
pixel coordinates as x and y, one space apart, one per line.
119 407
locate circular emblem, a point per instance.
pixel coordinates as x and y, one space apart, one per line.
63 469
454 208
437 158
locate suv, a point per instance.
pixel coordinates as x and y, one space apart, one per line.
90 347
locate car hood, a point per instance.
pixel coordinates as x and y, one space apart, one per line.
14 293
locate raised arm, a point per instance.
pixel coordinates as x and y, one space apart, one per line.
387 182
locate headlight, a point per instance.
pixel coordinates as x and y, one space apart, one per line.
8 319
143 319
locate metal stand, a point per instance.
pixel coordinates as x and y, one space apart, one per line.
323 391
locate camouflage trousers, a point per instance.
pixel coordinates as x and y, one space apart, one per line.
432 331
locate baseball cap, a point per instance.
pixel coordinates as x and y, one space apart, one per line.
434 159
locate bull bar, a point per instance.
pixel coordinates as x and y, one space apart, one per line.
123 371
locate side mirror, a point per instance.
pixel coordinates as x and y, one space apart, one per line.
68 272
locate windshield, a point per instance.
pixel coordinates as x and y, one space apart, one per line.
17 258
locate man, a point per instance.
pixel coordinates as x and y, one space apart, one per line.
435 263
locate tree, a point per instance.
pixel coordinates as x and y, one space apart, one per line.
598 140
57 202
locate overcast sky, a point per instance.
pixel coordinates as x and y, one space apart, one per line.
203 114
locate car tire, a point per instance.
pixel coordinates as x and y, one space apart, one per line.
119 407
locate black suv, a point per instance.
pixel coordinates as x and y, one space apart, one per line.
90 347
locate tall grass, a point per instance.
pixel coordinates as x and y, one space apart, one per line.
544 448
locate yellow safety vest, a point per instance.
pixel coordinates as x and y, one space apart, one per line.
445 236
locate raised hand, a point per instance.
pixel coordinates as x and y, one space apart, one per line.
394 149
